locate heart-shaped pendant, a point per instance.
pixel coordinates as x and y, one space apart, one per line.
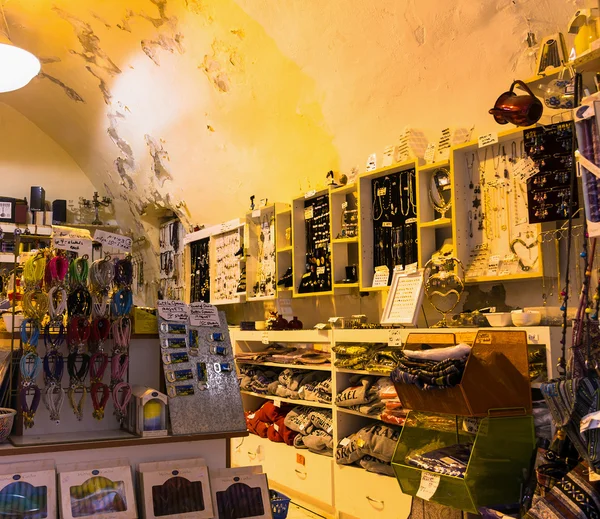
519 241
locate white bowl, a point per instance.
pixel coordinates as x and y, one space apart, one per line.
498 319
8 321
526 318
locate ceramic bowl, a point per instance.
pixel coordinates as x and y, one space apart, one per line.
8 321
499 319
526 318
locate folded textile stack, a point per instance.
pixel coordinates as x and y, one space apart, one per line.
359 395
372 448
269 422
354 356
314 427
384 360
302 385
284 355
256 379
450 461
437 368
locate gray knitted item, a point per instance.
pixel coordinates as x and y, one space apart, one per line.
322 419
376 440
319 442
298 420
358 394
374 465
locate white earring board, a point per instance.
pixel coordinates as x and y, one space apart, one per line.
404 299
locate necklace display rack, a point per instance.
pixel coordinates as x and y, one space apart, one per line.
200 271
433 230
311 236
284 249
388 235
228 266
172 276
345 234
492 233
261 274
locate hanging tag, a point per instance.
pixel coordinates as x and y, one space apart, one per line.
372 162
344 442
308 212
386 224
264 337
429 484
395 337
487 139
276 402
430 153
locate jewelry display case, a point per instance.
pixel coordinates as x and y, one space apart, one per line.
261 268
311 240
493 236
388 222
344 236
228 264
283 242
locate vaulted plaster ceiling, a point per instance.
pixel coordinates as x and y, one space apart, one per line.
197 104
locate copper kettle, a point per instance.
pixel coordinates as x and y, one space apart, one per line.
520 110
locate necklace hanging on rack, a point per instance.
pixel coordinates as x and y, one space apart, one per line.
470 169
504 161
404 201
394 191
412 175
377 201
496 161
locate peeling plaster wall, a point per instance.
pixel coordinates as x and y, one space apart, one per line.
194 105
31 158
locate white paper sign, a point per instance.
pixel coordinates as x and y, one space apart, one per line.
256 213
205 315
381 277
487 139
429 484
61 231
372 162
388 156
430 153
394 337
525 168
79 245
310 194
171 310
264 338
115 241
308 212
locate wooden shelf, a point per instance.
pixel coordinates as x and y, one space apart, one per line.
345 285
343 190
510 277
283 335
11 450
285 249
440 223
308 367
288 400
356 413
313 294
588 62
398 166
435 165
37 230
345 240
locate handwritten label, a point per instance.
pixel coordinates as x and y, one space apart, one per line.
386 224
429 484
264 338
78 245
372 162
277 403
394 338
115 241
205 315
70 232
430 153
171 310
344 442
308 212
310 194
525 168
263 202
320 271
487 139
388 156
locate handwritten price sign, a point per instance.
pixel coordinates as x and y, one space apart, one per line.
114 241
79 245
171 310
203 314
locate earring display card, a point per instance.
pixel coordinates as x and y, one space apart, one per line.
28 490
241 494
102 490
549 190
404 298
204 394
177 489
394 220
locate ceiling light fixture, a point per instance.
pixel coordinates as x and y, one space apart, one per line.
17 66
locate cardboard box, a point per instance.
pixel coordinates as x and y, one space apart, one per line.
142 420
243 489
176 489
145 320
102 490
28 489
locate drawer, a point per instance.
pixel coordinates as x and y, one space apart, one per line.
362 494
247 451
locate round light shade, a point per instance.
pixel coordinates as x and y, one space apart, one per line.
17 66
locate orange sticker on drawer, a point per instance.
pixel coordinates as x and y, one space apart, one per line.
300 459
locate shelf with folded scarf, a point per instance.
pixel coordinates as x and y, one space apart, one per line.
310 367
276 336
471 464
286 400
497 215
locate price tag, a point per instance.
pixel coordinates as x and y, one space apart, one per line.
310 194
381 191
308 212
533 337
205 315
344 442
300 459
256 213
590 421
116 241
388 156
381 277
525 168
171 310
334 320
344 205
372 162
386 224
394 338
229 226
277 403
487 139
79 245
429 484
430 153
320 271
320 326
265 337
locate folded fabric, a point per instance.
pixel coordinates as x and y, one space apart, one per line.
299 442
298 419
426 374
270 413
319 442
255 426
351 361
357 395
286 433
460 351
376 440
273 434
324 386
322 420
313 358
384 360
450 461
394 417
372 408
351 349
374 465
385 388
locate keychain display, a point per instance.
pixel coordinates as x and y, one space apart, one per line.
394 209
317 277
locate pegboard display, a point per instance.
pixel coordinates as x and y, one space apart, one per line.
200 377
228 264
494 238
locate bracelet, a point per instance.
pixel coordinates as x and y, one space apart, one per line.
99 405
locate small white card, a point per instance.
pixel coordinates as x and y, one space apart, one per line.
115 241
205 315
487 139
381 277
171 310
395 337
429 484
372 162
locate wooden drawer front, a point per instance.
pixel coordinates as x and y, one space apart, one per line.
250 451
363 494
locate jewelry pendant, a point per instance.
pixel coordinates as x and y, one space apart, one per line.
471 185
